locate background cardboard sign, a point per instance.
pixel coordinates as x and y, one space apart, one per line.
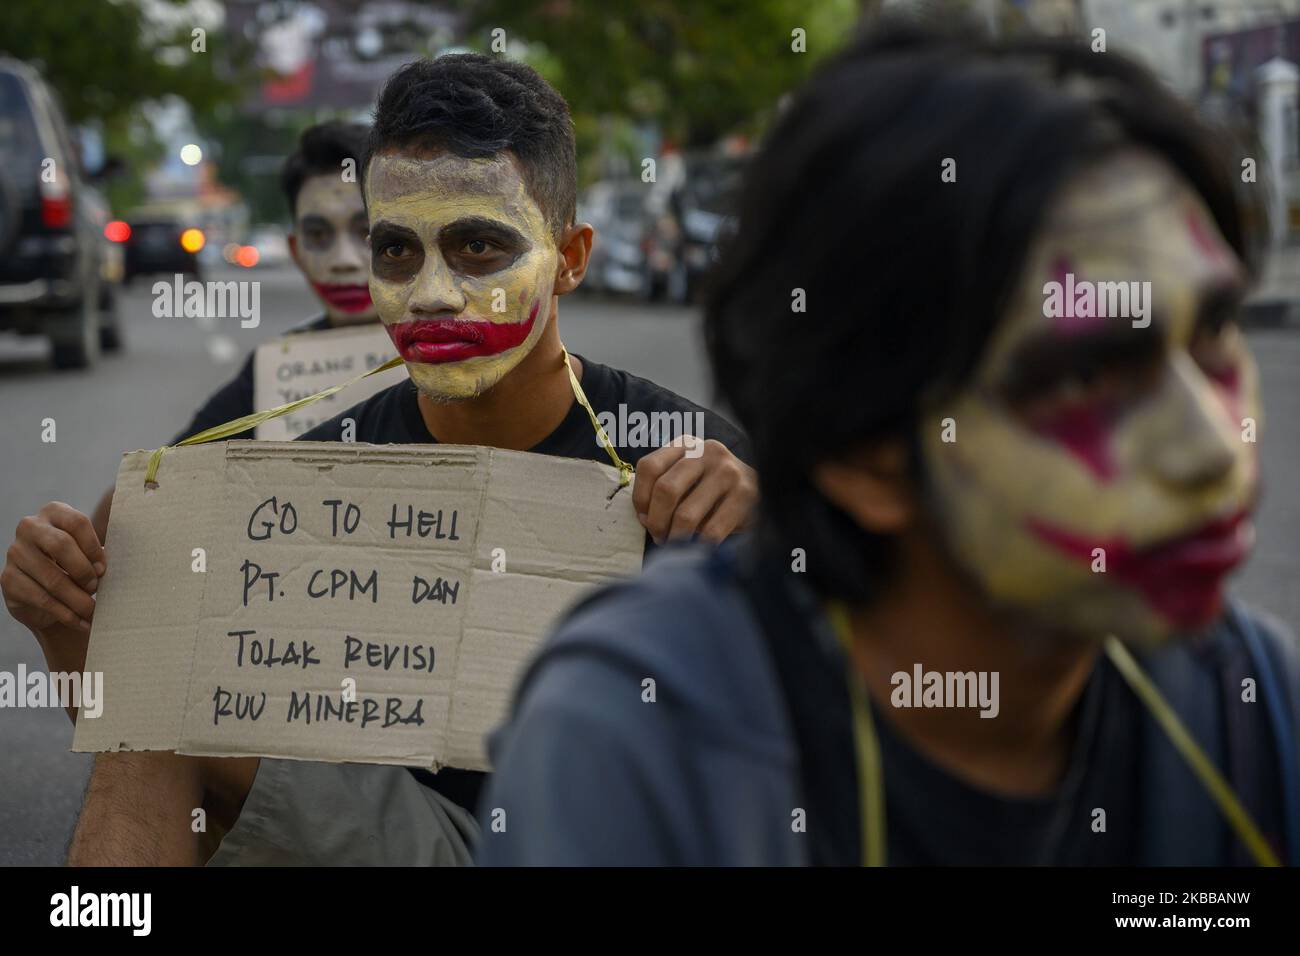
425 575
295 366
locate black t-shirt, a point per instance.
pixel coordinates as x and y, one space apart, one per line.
931 817
235 398
392 417
934 818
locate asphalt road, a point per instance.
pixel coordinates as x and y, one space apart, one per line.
143 395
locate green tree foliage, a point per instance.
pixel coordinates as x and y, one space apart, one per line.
696 70
106 59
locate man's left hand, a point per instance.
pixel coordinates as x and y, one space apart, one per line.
694 487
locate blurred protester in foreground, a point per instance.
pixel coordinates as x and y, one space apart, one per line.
998 498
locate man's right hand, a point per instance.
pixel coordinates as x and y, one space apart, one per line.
51 573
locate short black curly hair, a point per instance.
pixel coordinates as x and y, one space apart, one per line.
321 151
474 106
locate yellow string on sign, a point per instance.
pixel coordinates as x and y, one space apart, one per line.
1219 789
624 469
871 781
234 427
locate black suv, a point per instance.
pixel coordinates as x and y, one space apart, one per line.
51 228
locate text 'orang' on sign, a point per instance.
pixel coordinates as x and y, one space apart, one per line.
369 603
295 366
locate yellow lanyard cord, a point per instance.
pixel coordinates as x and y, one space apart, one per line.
870 775
871 782
624 469
237 425
1219 789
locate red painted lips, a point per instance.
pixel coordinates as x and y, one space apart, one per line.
349 298
434 341
1182 578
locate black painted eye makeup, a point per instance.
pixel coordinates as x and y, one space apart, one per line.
316 233
1049 361
477 245
395 251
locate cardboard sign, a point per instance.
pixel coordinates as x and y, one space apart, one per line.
370 603
293 367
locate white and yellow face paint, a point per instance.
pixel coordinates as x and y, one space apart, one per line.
463 267
330 247
1098 472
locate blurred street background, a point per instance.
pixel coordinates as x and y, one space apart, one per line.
169 120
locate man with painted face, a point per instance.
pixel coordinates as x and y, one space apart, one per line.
470 180
998 558
470 184
471 188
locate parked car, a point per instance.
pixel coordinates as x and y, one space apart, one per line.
51 233
154 245
616 209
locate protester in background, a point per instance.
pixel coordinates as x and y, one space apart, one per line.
966 487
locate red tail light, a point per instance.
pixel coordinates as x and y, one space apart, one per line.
56 212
